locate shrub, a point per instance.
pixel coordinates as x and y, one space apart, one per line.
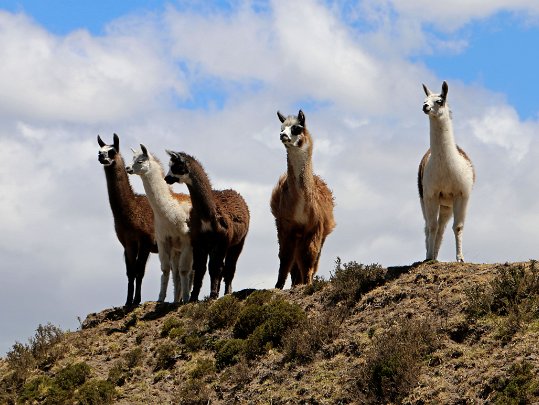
223 312
35 389
280 317
72 376
169 324
194 392
229 352
259 297
351 280
193 342
165 356
250 317
393 363
203 368
303 341
134 358
317 285
96 392
519 387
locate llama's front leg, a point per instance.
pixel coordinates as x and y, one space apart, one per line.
287 246
142 258
432 209
186 272
130 254
459 211
307 254
164 258
200 259
443 218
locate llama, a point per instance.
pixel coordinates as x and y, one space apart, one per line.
133 218
445 179
219 224
302 205
171 216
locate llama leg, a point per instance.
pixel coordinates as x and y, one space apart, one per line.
200 259
142 258
230 265
130 254
443 218
175 265
215 267
459 211
287 246
295 275
432 208
164 258
307 254
186 272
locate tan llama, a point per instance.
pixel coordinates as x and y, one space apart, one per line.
446 176
302 205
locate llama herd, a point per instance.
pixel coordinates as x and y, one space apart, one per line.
207 228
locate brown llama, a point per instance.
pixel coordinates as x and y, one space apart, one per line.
133 218
302 205
219 224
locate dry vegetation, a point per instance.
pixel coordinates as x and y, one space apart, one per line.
429 333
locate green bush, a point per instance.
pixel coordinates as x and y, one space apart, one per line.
520 386
259 297
36 389
250 317
349 281
280 317
223 312
317 285
134 357
229 352
203 368
165 356
96 392
392 365
72 376
170 323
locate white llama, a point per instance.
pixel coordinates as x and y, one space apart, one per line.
445 179
171 217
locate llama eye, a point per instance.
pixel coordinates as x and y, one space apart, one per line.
296 129
440 102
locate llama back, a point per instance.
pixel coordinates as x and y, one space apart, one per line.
231 205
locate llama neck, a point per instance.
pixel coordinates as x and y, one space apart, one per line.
200 190
300 171
118 186
442 141
157 190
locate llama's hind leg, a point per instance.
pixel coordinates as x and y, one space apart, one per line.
459 211
176 281
443 218
186 272
230 265
215 267
130 256
308 254
142 258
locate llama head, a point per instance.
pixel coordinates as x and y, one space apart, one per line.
435 105
141 162
293 132
106 152
178 168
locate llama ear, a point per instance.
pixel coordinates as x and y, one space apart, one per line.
144 150
282 118
134 151
426 90
301 118
100 141
116 142
445 89
173 154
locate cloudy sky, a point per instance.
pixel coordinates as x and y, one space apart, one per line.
208 80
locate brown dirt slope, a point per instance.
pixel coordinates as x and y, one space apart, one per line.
429 333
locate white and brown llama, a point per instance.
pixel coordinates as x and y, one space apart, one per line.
302 205
133 218
445 179
171 216
219 224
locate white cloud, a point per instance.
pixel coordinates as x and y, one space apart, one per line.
363 106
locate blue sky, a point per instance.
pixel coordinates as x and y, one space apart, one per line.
208 80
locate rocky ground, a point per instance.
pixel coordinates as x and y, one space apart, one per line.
431 333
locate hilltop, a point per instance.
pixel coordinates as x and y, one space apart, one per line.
430 333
